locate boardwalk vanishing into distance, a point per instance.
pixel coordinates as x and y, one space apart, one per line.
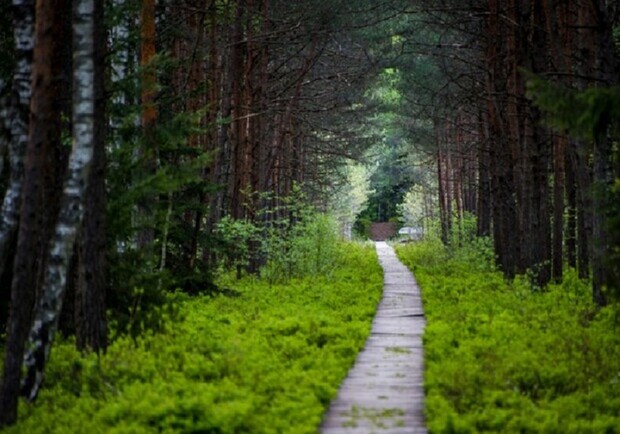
383 392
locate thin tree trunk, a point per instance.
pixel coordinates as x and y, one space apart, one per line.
606 71
213 105
571 211
91 329
542 144
146 234
21 301
559 187
71 213
443 196
238 58
484 182
18 112
584 220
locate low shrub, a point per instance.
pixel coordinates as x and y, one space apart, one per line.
266 361
503 357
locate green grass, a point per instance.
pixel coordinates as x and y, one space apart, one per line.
268 361
506 357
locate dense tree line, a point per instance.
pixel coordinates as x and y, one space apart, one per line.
183 113
512 144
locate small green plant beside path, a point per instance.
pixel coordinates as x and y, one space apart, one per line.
510 357
266 361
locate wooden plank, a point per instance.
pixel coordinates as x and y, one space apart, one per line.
384 391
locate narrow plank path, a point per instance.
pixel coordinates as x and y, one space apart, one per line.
383 392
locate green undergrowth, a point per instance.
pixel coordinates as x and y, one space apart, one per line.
510 357
266 361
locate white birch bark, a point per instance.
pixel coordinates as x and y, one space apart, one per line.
16 109
15 117
5 125
72 209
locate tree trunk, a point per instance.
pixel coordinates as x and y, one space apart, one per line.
571 210
607 74
71 212
542 146
506 228
444 212
18 113
91 326
238 57
22 299
559 187
484 182
148 150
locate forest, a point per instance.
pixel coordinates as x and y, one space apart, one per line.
188 189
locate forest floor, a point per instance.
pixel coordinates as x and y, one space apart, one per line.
508 356
267 361
499 356
384 390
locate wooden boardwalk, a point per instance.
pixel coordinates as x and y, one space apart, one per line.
383 392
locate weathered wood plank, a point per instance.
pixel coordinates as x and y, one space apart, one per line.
384 391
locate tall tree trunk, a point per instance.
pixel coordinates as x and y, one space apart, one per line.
444 213
22 299
559 187
238 57
91 324
506 228
71 212
603 174
18 113
571 210
200 72
223 161
542 146
578 152
148 151
259 137
214 104
484 181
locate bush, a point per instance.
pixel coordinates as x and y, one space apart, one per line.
310 250
267 361
304 245
501 357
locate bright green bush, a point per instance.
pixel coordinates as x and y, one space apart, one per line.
266 361
308 250
507 357
300 243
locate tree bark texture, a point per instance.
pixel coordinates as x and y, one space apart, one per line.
148 89
72 205
21 299
91 326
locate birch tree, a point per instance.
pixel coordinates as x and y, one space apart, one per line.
23 23
72 205
43 165
17 110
